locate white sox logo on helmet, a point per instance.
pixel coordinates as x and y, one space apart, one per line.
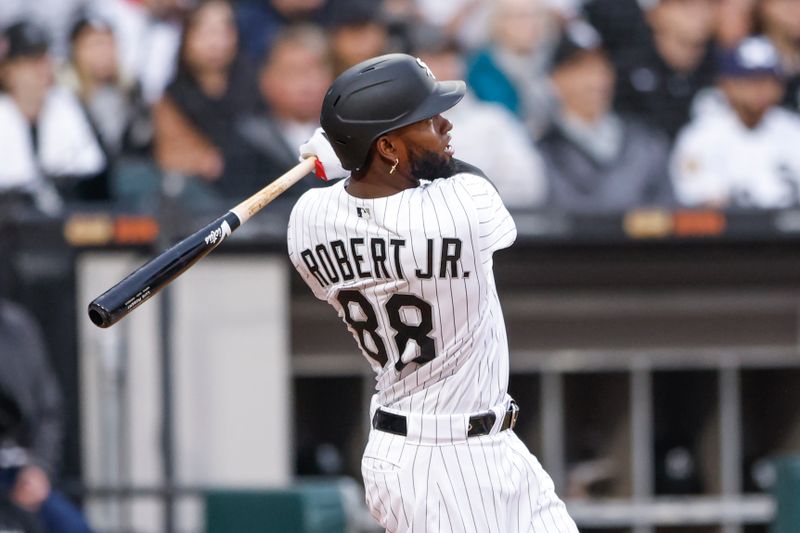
428 70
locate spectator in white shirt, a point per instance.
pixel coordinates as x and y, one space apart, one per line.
45 136
111 102
745 153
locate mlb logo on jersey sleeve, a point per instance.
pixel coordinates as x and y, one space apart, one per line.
363 212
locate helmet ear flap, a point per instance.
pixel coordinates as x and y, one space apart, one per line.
341 141
370 157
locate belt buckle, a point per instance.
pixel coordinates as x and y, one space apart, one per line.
514 413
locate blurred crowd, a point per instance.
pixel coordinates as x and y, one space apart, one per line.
575 105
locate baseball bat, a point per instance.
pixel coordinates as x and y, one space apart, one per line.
141 285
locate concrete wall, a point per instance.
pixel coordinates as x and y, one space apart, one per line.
230 386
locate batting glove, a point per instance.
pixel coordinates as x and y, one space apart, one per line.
328 166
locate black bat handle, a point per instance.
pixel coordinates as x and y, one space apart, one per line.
108 308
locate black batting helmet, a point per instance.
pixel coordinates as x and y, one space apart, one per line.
377 96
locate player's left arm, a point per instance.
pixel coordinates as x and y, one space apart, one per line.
462 167
496 227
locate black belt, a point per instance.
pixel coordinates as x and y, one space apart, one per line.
478 425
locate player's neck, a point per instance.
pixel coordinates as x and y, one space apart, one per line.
378 183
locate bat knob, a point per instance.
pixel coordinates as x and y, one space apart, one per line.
99 316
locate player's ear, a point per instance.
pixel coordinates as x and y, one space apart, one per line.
387 148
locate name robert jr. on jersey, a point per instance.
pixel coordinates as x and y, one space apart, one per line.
344 260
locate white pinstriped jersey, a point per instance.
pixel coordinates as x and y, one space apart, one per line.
411 276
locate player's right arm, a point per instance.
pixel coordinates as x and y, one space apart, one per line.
298 239
328 167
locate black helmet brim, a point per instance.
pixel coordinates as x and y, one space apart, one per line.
445 95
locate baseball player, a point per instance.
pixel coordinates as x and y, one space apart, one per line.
402 249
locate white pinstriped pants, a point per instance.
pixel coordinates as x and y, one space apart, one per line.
487 484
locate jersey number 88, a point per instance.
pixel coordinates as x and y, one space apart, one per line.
405 331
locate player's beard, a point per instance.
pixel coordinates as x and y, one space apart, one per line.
430 165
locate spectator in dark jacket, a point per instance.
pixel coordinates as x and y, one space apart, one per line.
31 427
620 23
195 132
779 20
357 34
293 80
659 80
260 21
597 160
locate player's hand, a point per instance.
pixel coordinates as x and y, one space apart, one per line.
328 165
31 488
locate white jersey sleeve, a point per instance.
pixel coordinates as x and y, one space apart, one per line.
496 228
299 234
